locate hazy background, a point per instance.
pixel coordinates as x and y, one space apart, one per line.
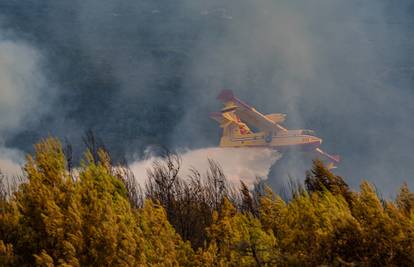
144 72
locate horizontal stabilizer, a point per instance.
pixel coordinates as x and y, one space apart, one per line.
217 116
230 107
224 118
229 118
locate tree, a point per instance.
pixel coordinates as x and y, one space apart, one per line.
162 245
319 178
7 257
248 204
42 204
95 216
238 239
189 203
108 224
53 219
405 200
383 229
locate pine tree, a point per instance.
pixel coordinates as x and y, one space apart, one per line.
238 239
248 204
382 236
319 178
162 245
405 200
42 204
7 257
109 228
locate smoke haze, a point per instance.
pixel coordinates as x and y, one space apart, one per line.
25 95
10 162
147 72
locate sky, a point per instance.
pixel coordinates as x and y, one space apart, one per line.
147 72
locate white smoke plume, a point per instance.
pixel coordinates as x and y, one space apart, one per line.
244 164
10 161
25 94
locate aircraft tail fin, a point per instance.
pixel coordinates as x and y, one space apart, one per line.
225 95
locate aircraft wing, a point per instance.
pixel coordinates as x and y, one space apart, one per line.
249 115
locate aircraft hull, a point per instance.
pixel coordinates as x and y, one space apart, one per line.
280 143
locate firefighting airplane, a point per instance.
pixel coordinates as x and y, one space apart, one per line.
236 115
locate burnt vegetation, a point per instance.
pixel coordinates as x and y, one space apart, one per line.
98 215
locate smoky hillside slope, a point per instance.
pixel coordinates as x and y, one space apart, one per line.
147 72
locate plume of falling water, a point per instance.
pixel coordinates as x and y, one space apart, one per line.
244 164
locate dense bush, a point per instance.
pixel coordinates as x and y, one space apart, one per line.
96 215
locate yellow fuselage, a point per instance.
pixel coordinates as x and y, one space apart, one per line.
279 141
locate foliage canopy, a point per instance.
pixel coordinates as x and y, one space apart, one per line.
97 216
